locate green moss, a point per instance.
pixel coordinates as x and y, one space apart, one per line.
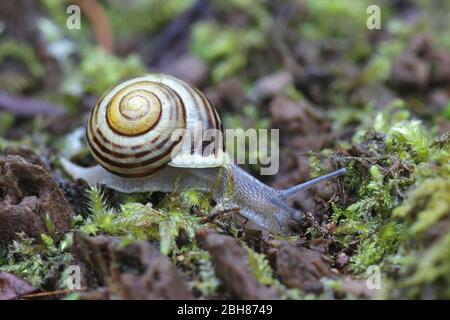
137 15
335 18
260 267
23 52
137 221
6 121
198 266
378 68
225 48
256 9
409 140
100 70
38 262
425 268
400 155
447 112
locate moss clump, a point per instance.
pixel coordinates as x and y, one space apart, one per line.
197 265
136 221
38 263
391 160
425 269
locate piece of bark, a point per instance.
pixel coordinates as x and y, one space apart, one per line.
136 272
13 287
28 194
232 267
301 268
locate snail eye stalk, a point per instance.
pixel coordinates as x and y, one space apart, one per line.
288 193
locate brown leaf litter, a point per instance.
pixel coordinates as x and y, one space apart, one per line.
28 194
137 271
12 287
231 267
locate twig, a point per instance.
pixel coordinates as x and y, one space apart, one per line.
51 293
100 23
28 107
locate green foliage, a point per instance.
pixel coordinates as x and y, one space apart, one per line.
137 221
250 118
224 47
378 68
6 121
256 9
335 18
447 112
409 141
405 154
260 267
100 70
426 266
137 14
37 262
205 280
23 52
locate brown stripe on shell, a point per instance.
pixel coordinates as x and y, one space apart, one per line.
137 155
219 124
134 165
207 107
183 109
107 141
196 105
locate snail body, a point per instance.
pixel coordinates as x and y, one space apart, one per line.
131 133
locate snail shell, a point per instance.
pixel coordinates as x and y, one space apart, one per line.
130 128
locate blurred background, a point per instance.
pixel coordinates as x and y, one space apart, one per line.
311 68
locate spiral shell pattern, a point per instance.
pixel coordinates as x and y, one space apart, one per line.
130 128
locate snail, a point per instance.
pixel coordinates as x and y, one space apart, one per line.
130 135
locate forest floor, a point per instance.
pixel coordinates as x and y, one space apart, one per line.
376 102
